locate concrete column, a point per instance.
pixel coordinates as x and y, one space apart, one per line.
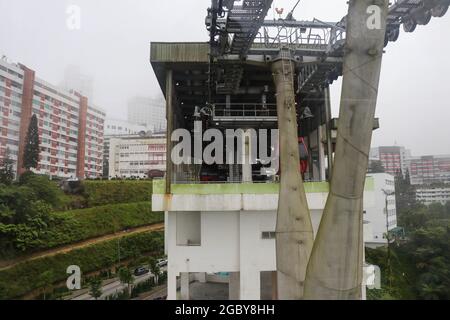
246 165
170 126
201 277
171 285
234 286
321 151
294 232
363 286
250 284
335 266
328 130
185 286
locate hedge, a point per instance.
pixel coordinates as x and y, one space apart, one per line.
27 276
77 225
99 193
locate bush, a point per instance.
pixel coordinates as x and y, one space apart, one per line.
78 225
99 193
26 277
45 189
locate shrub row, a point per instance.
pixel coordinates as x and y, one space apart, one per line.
77 225
41 273
99 193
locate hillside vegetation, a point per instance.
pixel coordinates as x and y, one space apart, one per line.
34 215
43 273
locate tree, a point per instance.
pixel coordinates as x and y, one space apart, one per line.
154 269
95 288
126 277
376 166
45 189
7 170
31 152
405 193
45 281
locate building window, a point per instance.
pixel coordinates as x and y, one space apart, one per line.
266 235
188 226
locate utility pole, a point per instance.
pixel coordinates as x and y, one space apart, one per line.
336 263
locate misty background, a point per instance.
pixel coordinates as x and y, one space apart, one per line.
113 47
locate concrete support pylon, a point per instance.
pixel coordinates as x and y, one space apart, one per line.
294 232
336 263
185 282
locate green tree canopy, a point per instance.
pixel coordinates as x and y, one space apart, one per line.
32 150
7 169
95 288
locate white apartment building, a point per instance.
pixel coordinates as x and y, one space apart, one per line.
433 195
230 229
148 112
378 222
135 156
115 127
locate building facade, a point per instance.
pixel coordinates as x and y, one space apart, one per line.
431 195
393 158
114 127
230 229
70 129
135 156
148 112
430 169
375 216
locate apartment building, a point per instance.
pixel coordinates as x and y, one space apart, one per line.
430 169
393 158
70 128
137 155
433 195
148 112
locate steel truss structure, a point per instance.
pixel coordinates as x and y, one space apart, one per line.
239 34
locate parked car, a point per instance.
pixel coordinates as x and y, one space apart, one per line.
141 271
162 263
212 173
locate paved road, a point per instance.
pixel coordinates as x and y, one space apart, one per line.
157 293
116 287
52 252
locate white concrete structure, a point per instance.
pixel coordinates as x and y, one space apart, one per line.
431 195
148 112
114 127
378 223
135 156
211 228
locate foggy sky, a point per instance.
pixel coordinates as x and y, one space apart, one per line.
114 41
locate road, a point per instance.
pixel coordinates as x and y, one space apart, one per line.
116 287
113 288
52 252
